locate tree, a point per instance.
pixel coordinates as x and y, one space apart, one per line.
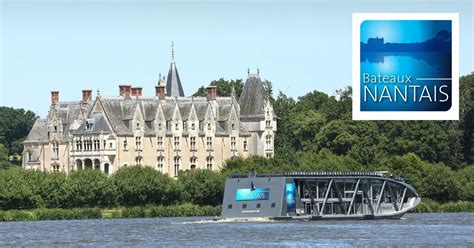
224 87
202 187
14 127
141 185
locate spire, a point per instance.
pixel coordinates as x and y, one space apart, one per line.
232 91
173 83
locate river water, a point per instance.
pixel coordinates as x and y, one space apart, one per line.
433 229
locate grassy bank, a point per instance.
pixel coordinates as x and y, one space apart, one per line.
430 206
184 210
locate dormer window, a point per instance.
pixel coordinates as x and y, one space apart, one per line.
160 126
209 126
89 125
193 126
138 124
185 125
233 126
176 126
55 128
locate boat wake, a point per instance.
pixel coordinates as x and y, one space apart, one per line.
225 220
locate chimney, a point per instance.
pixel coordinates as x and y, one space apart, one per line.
136 91
54 97
86 96
160 91
125 90
211 92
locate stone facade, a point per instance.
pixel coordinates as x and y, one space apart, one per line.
168 131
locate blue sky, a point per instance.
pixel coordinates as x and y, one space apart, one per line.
73 45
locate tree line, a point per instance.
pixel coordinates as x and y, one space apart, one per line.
129 186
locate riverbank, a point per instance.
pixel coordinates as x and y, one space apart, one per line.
430 206
183 210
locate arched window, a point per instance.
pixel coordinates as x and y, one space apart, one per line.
79 164
176 162
160 163
106 168
209 162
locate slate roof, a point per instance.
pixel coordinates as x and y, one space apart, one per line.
253 97
39 131
173 83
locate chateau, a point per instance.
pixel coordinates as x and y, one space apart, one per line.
168 131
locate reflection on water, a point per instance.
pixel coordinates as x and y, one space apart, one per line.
438 60
415 230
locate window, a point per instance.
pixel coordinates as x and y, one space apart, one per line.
78 144
176 126
273 205
193 126
56 128
268 123
30 154
269 155
245 145
185 125
159 143
201 127
96 144
192 143
176 162
161 163
138 124
176 143
229 206
208 126
139 160
111 145
55 167
233 126
193 161
233 144
138 142
105 145
209 143
268 142
244 205
259 205
168 125
209 162
160 126
125 144
55 150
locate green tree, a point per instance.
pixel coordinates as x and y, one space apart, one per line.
90 188
202 187
224 87
14 127
141 185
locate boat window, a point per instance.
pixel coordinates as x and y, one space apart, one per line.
229 206
273 205
259 205
244 205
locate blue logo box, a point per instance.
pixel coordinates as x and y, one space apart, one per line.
405 65
252 195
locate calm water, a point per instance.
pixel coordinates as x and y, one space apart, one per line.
427 230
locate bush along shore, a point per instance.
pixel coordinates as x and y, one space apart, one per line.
182 210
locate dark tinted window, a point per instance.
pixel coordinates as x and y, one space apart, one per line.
273 205
229 206
259 205
244 205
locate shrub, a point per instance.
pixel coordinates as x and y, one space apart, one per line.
141 186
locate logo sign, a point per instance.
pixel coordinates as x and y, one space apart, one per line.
252 195
405 66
